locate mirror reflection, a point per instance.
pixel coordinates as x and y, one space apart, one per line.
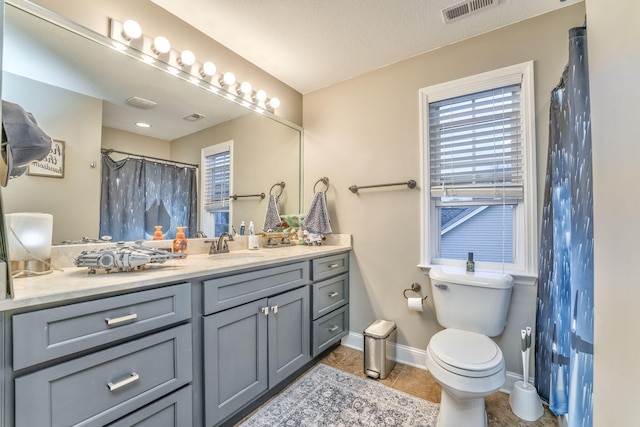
77 88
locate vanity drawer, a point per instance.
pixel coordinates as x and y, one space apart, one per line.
45 335
329 266
102 387
238 289
174 410
329 329
329 295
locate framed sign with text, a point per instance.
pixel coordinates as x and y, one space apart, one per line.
52 165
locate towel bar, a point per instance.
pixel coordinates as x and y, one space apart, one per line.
236 197
411 184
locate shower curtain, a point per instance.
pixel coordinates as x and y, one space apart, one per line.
564 322
138 194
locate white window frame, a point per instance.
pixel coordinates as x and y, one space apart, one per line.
525 241
204 153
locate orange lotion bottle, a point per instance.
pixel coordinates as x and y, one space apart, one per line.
180 242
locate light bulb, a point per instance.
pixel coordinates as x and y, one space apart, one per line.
245 88
161 45
229 78
261 95
187 58
274 102
131 30
208 69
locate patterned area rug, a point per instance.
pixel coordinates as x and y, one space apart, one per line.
326 396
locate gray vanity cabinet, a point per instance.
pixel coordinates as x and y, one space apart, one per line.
97 362
250 348
330 301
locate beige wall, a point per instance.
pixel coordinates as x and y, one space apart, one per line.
366 131
155 21
121 140
75 119
614 60
264 152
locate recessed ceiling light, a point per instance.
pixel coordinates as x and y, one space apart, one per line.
143 125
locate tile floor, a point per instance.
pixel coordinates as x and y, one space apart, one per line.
419 383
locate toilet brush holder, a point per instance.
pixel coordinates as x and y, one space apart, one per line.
525 402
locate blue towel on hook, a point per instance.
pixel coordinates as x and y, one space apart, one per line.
317 220
272 219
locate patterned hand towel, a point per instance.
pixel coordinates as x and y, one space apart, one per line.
272 220
317 220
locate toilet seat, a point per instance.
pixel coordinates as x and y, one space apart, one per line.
466 353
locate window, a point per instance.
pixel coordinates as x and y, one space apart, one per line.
478 171
216 188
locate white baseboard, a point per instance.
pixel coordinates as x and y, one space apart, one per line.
415 357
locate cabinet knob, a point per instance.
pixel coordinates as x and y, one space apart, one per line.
265 311
274 309
133 377
333 294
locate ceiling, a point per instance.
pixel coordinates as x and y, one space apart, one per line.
310 44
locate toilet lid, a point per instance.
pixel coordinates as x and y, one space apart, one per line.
467 353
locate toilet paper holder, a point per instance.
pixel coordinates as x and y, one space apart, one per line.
415 287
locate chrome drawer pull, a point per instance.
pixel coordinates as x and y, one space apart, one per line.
274 309
333 265
121 319
333 294
334 328
265 311
133 378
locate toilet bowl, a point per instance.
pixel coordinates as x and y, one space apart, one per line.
469 366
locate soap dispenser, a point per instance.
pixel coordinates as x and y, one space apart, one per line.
157 235
180 242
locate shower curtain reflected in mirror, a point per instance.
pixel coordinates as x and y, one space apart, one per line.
564 318
139 194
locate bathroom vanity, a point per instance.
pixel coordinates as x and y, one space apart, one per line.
199 341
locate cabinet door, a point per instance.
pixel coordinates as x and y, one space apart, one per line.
289 325
235 359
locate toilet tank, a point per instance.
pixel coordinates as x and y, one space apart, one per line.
476 302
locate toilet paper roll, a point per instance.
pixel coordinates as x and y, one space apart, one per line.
415 304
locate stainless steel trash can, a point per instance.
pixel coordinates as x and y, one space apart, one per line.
379 355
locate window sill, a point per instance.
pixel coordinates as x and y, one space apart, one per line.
522 279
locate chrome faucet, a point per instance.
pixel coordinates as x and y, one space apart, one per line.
220 246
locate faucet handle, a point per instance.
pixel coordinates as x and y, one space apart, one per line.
212 248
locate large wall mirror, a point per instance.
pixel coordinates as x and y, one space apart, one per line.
76 86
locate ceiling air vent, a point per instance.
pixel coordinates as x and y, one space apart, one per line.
460 10
194 117
136 101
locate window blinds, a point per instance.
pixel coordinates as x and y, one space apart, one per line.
216 181
475 145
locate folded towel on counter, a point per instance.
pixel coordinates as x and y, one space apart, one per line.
272 219
317 220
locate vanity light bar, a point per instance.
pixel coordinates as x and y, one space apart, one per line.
159 50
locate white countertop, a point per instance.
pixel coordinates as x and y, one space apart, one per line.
76 282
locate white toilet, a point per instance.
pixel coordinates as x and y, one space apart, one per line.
462 358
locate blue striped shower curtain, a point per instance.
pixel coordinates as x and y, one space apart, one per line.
564 322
